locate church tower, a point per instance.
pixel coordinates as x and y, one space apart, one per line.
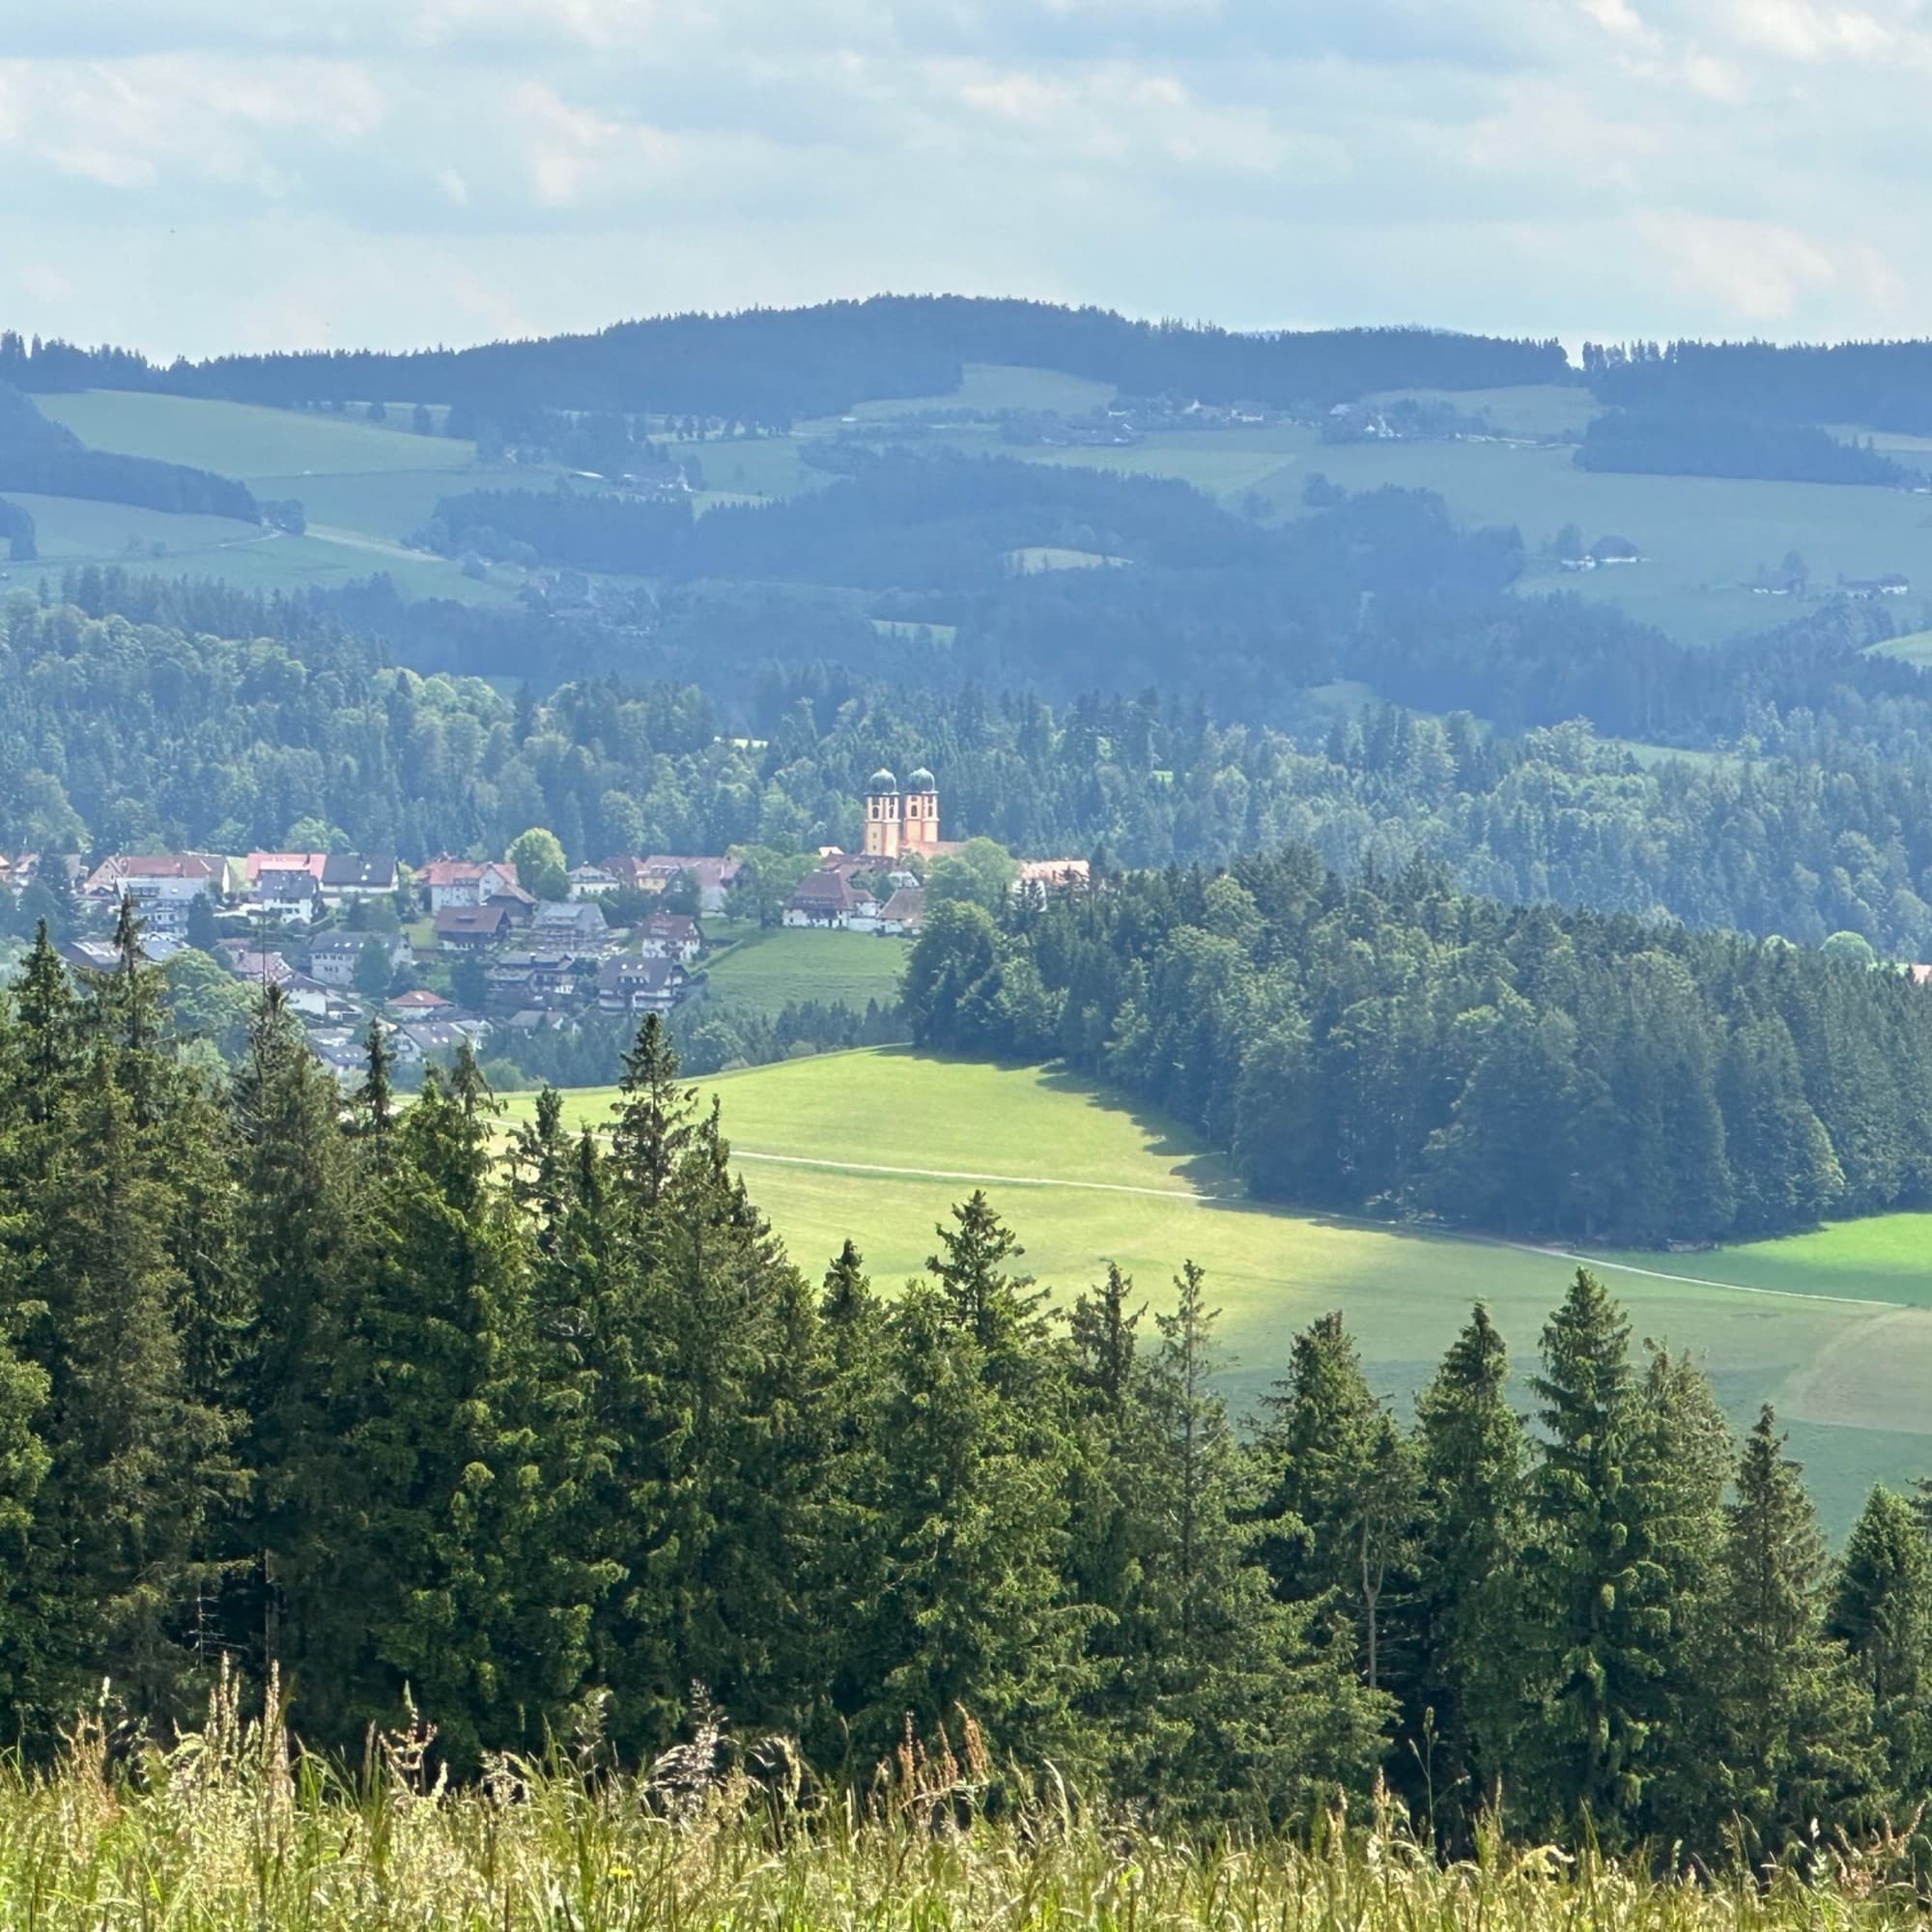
900 823
882 815
918 813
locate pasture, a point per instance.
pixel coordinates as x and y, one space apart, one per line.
878 1146
247 440
764 970
988 388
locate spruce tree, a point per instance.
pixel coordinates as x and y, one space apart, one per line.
1472 1478
1789 1741
654 1116
1882 1611
1597 1626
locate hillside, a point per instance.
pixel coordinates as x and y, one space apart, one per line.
885 1142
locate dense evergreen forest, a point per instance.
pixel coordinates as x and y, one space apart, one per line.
1879 384
1696 443
1389 1046
155 731
773 366
39 457
338 1387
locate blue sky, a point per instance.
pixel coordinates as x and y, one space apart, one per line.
196 175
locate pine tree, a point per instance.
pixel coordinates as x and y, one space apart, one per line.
1882 1611
136 1460
1336 1489
654 1119
1465 1698
1597 1629
1789 1742
301 1256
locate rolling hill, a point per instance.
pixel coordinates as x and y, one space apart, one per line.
1833 1328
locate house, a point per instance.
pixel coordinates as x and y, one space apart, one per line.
161 884
829 898
425 1039
633 985
333 960
591 882
670 936
290 896
470 928
904 912
308 996
517 980
462 882
419 1000
575 922
258 863
1863 587
658 871
249 962
359 875
102 955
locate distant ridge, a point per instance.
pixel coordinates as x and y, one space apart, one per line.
775 365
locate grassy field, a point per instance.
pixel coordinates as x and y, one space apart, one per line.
1914 648
1526 409
244 441
765 970
992 387
879 1145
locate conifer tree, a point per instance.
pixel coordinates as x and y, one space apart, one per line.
1882 1611
302 1255
1463 1704
1598 1628
1789 1741
654 1124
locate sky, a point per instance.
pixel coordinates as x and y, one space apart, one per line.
193 176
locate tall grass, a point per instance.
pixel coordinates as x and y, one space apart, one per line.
230 1830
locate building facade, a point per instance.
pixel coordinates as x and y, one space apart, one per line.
901 822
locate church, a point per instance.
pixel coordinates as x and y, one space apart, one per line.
900 823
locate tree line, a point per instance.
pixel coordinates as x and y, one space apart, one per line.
772 367
1394 1047
1877 385
207 720
524 1431
1700 442
42 458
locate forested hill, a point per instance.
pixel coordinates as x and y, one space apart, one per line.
191 722
776 365
1882 385
1394 1047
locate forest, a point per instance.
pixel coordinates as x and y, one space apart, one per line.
773 366
1697 442
191 722
1390 1046
528 1437
42 458
1881 384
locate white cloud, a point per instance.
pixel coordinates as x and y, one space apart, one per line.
186 174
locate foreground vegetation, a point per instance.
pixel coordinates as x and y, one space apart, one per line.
294 1383
230 1828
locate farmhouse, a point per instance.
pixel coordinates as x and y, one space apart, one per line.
670 936
829 898
470 928
631 985
579 922
359 875
462 882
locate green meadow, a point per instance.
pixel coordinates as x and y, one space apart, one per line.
765 970
1834 1328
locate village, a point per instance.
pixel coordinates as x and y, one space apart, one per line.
464 950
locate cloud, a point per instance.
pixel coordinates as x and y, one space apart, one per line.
190 175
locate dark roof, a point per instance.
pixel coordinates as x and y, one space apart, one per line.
922 780
829 889
486 919
374 870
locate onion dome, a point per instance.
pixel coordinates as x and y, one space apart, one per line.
922 780
882 781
